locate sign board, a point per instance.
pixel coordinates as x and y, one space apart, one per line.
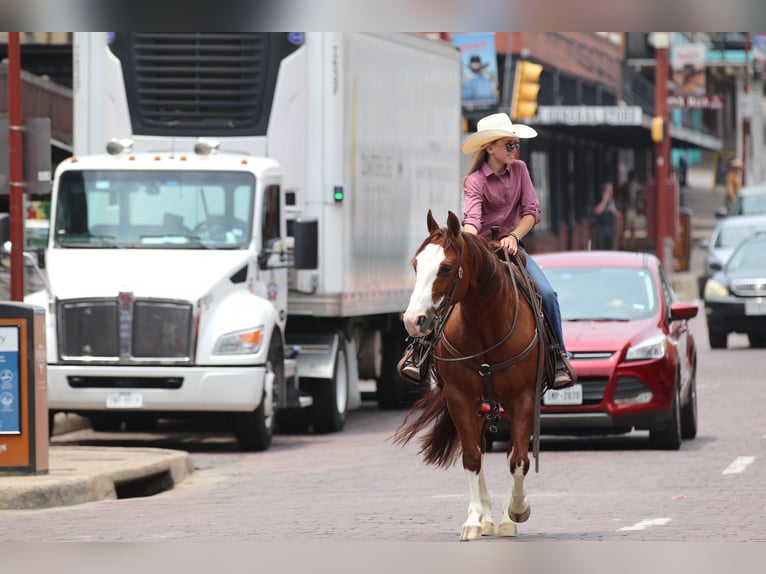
691 101
590 115
10 395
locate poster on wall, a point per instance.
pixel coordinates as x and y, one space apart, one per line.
479 84
10 413
688 63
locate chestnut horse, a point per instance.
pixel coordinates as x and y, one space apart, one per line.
487 357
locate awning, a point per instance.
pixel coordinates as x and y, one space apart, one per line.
621 126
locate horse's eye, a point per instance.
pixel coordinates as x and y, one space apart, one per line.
445 270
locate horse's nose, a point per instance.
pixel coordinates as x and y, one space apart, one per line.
417 325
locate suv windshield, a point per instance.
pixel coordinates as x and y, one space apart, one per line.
154 208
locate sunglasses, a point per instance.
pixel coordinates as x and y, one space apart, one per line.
510 146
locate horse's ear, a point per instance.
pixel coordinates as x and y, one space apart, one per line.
432 225
453 224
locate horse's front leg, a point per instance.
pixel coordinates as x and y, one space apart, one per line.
516 506
479 522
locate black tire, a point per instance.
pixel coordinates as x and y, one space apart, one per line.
689 410
254 430
718 339
757 340
328 413
105 422
669 436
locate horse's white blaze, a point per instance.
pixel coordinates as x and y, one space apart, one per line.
421 299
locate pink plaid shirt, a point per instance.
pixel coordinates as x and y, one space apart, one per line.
499 200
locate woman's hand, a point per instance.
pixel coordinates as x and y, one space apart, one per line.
510 244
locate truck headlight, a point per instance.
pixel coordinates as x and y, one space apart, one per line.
652 348
245 342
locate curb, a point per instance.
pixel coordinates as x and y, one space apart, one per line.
88 474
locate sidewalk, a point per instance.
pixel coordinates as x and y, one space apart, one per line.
703 201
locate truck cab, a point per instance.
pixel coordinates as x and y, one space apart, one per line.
167 290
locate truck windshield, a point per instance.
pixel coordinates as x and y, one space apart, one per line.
154 209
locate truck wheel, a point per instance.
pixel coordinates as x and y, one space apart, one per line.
328 413
254 430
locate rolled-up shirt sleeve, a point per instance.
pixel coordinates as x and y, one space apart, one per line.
529 204
472 206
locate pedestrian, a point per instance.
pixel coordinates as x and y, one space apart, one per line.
683 168
733 183
607 216
498 192
631 201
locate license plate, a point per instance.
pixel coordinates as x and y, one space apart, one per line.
569 396
124 401
755 307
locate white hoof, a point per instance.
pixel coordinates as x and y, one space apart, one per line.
507 529
470 532
487 528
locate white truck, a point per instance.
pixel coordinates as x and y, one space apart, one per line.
244 246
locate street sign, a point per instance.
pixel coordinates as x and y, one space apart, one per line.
690 101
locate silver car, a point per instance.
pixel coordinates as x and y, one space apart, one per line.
728 233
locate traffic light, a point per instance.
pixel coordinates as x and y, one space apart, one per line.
526 86
658 129
337 193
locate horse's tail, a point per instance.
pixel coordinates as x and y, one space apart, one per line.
439 445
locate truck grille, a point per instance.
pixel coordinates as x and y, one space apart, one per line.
124 330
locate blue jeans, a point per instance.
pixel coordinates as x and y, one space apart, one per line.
549 297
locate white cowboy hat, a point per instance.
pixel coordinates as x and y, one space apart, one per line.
736 162
495 127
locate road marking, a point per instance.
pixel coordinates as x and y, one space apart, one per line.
740 464
644 524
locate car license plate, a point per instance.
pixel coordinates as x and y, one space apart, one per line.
569 396
755 307
124 400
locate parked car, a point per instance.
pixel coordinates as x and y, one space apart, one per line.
631 347
750 201
735 297
728 233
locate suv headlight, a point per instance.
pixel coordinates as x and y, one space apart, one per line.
245 342
652 348
715 289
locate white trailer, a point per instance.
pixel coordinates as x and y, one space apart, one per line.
178 267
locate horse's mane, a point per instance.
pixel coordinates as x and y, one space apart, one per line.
492 270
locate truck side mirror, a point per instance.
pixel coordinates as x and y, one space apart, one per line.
306 234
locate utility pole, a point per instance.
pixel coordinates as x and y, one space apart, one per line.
746 113
665 206
16 168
